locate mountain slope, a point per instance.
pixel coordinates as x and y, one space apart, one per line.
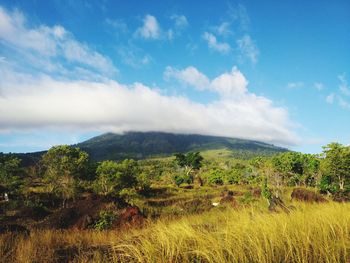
139 145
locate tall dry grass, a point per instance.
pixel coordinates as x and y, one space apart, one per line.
311 233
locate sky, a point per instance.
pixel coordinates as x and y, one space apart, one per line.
273 71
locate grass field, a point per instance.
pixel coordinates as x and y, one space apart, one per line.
310 233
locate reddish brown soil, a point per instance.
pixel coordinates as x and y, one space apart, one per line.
305 195
129 217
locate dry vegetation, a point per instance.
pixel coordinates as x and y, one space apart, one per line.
310 233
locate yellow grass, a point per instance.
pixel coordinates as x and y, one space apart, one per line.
311 233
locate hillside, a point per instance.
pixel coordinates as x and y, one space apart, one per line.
139 145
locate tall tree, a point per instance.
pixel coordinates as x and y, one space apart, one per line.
9 172
63 166
191 162
336 164
112 177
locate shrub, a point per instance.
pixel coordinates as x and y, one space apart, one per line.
112 177
105 220
216 176
178 180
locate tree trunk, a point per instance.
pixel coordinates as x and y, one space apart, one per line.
341 183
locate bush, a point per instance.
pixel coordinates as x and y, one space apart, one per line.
112 177
234 177
325 185
178 180
247 198
105 220
216 177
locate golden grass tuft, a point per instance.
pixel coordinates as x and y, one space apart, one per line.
311 233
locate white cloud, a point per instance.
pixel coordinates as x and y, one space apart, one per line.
214 44
228 84
180 21
319 86
343 86
189 76
223 29
239 14
330 98
117 24
40 102
134 56
248 48
150 28
295 85
46 43
343 103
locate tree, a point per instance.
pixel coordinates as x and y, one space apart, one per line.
63 166
190 162
290 166
311 169
336 164
9 172
112 177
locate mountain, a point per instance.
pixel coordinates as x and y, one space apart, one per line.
139 145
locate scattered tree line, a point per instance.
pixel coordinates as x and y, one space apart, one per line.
66 171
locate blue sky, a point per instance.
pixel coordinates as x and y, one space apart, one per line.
276 71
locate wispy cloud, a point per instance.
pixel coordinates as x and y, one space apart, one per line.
318 86
330 98
134 56
343 86
295 85
180 21
248 48
239 14
119 25
43 44
189 76
150 28
224 29
214 44
343 103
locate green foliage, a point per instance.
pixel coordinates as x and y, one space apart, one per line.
178 179
182 179
144 182
296 169
65 160
112 177
63 166
234 176
247 198
216 176
326 185
9 173
265 191
105 220
190 161
336 166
